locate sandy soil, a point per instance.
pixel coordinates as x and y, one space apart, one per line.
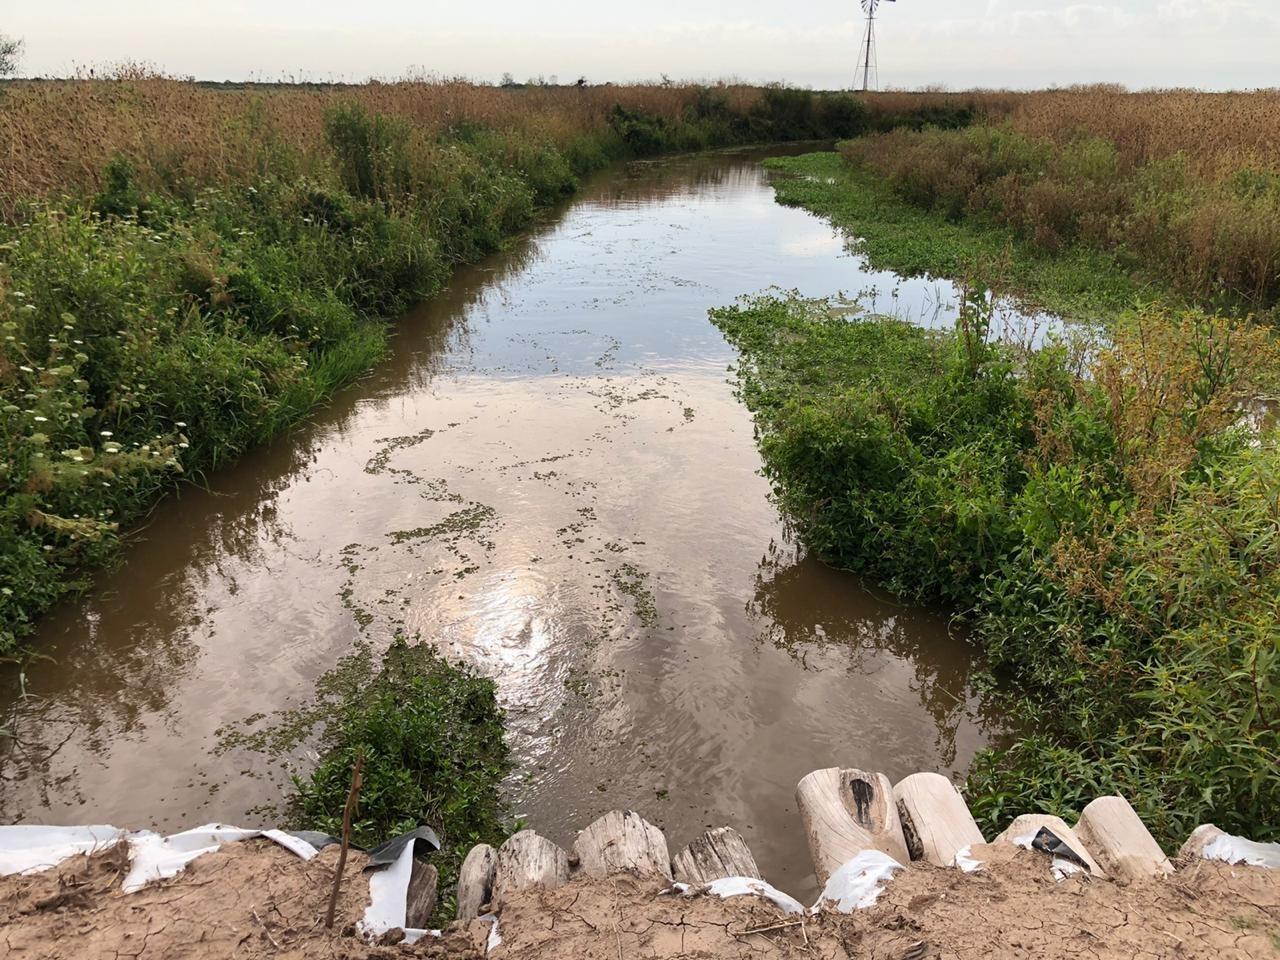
248 900
257 901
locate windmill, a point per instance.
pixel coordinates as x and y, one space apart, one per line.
868 49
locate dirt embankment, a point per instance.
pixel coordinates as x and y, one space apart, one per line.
247 900
254 900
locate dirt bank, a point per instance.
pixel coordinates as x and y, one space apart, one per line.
247 900
254 900
1010 908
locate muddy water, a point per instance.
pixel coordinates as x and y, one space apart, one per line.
551 478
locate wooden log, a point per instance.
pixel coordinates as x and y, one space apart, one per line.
528 860
713 856
420 900
1117 837
936 821
622 841
846 812
1029 824
475 881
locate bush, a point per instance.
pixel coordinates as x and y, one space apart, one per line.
371 151
1099 512
644 135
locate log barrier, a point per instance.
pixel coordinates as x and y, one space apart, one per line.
846 813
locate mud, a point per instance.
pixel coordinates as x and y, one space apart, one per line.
1010 909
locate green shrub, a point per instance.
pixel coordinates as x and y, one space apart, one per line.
119 196
643 134
372 152
1097 511
431 737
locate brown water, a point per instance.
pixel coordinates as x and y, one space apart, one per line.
551 478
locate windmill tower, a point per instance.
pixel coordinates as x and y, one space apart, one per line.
870 78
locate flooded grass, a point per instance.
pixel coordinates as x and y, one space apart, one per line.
906 239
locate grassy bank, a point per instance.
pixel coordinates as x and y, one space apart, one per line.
1100 513
897 235
1201 220
185 271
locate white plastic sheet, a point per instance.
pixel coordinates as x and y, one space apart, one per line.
494 940
1231 849
964 859
29 848
751 887
1060 867
857 884
153 857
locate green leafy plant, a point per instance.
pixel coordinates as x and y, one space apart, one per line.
431 736
1102 513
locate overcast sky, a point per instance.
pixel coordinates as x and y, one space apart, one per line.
958 43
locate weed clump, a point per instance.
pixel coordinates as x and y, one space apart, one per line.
431 736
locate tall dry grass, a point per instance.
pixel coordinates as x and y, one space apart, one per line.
59 135
1184 186
1217 132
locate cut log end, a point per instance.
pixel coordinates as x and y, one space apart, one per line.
420 900
1120 841
715 855
622 841
846 811
475 881
936 821
528 860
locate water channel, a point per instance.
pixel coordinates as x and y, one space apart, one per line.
552 479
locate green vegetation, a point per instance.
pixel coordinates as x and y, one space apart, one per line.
10 51
896 235
432 740
1103 514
